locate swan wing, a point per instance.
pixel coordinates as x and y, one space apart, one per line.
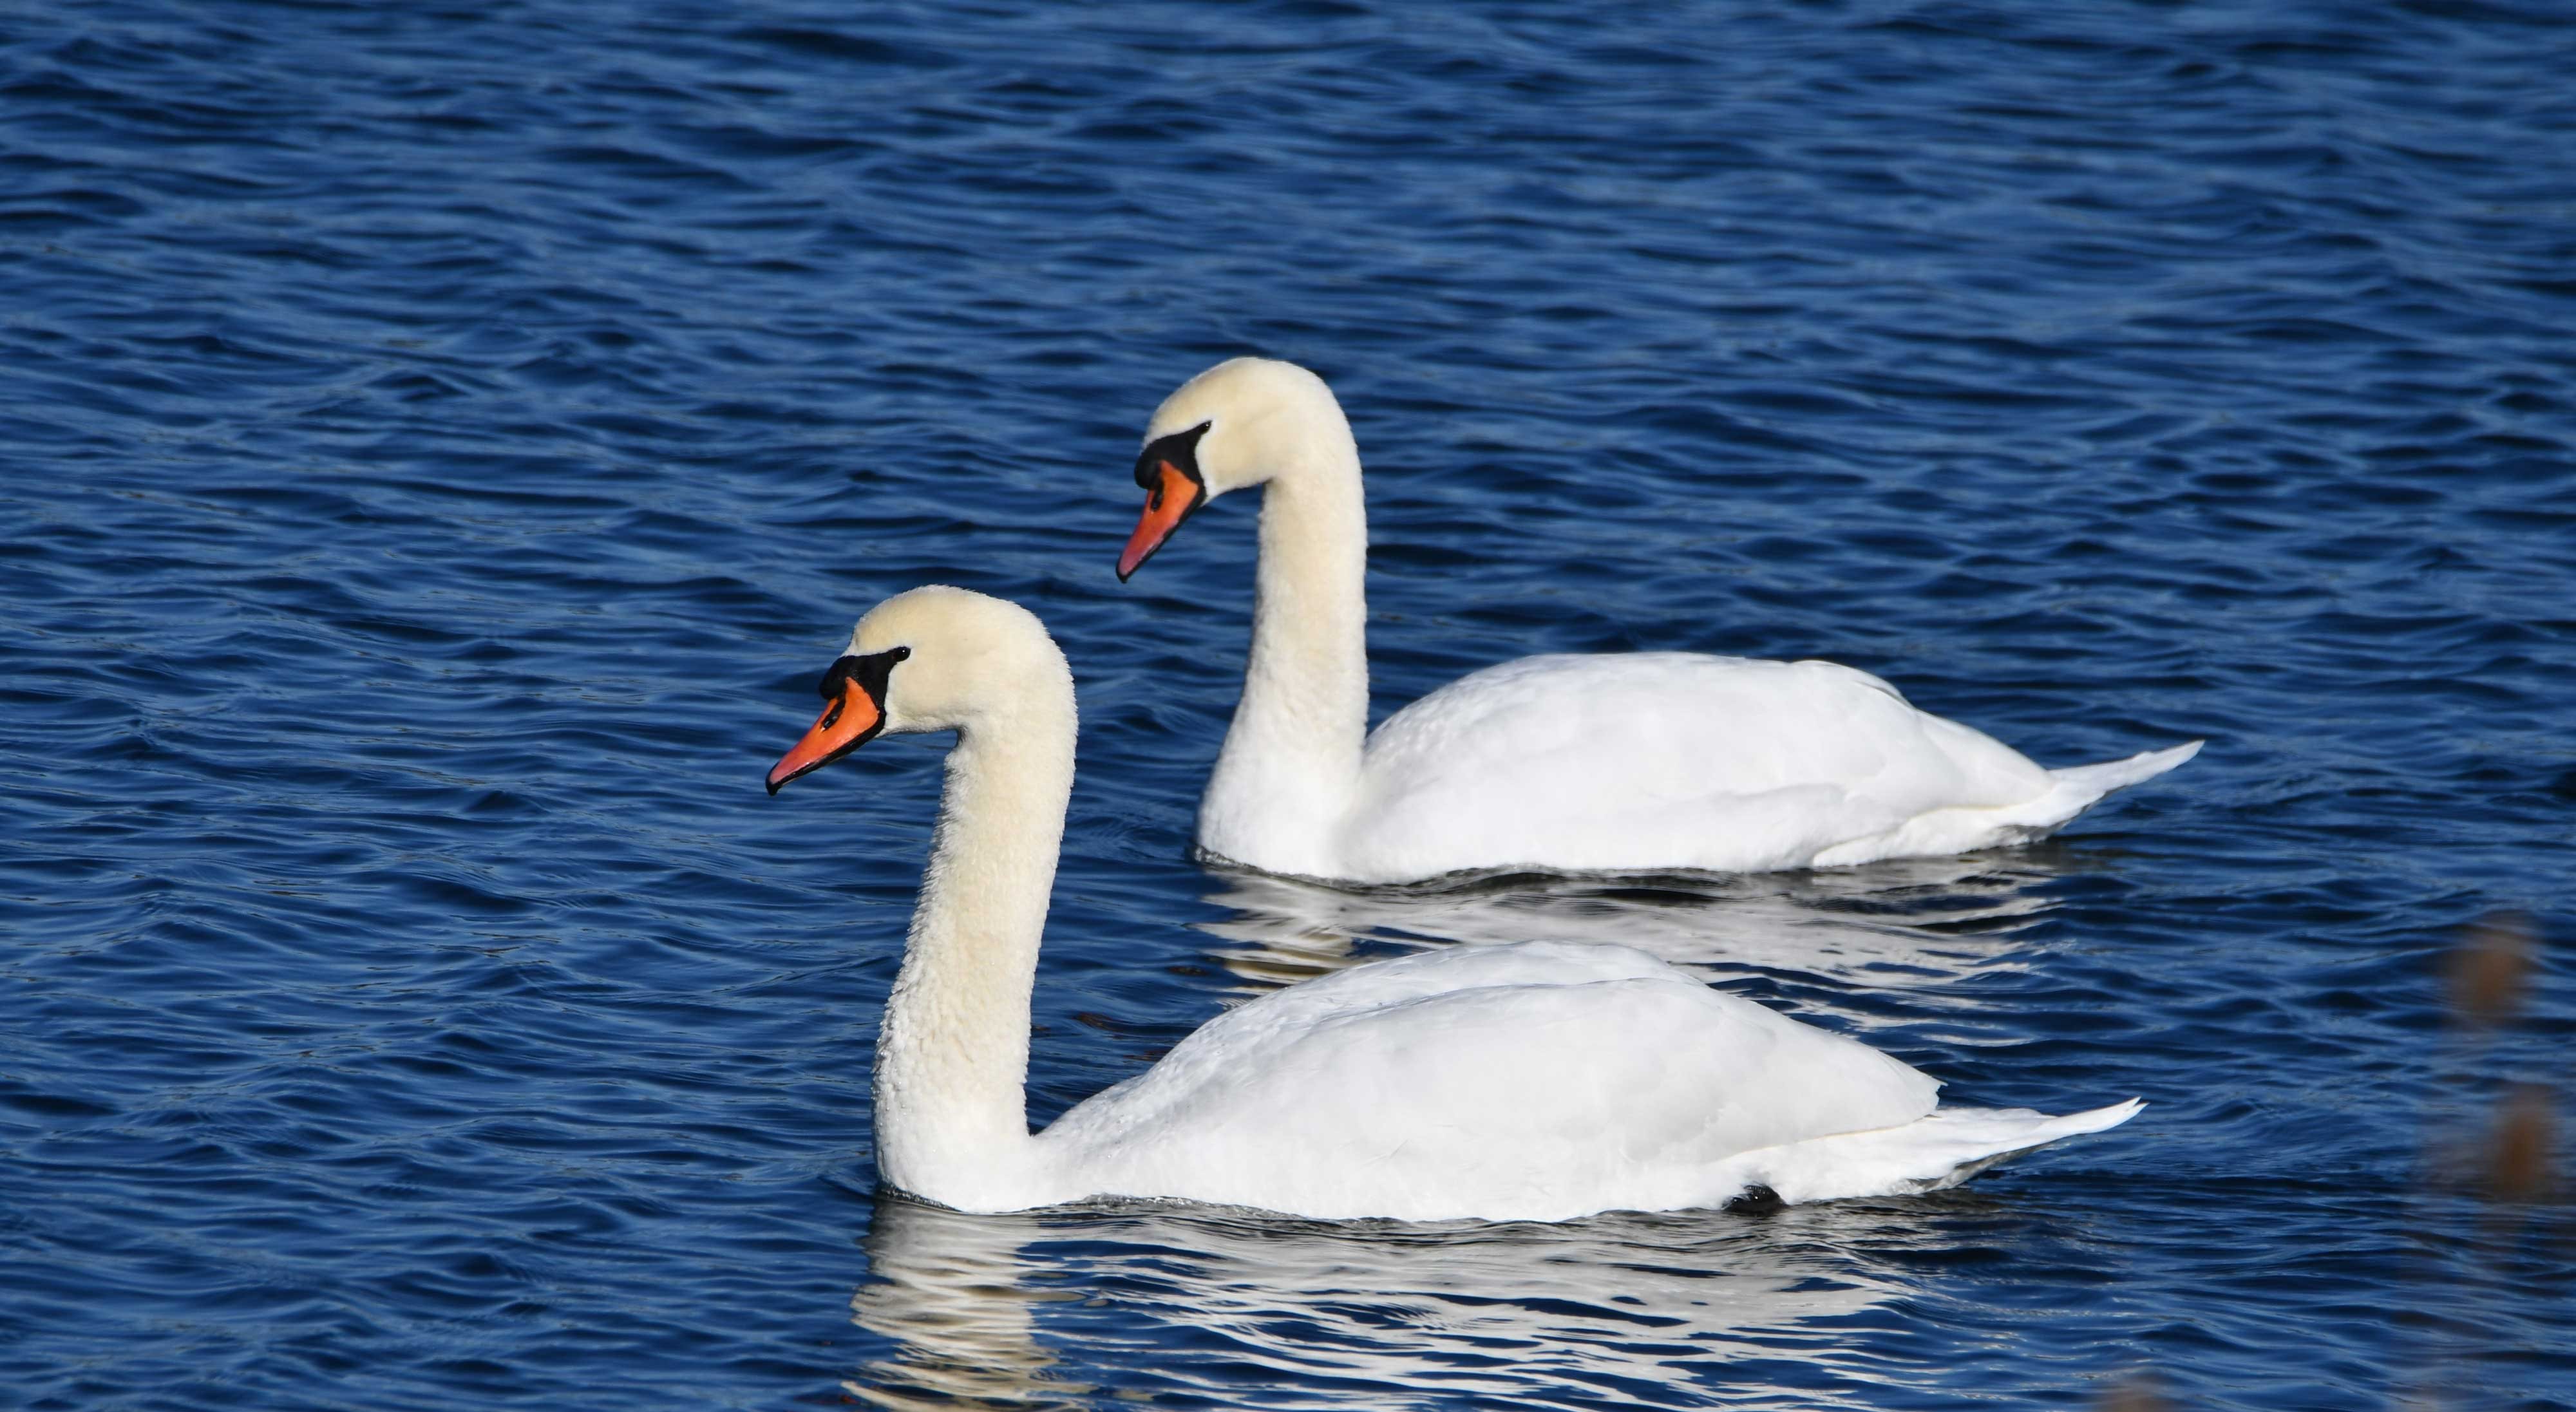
1662 759
1536 1081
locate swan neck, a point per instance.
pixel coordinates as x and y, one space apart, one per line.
1295 744
953 1053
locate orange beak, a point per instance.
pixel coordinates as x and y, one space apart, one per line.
1174 496
850 721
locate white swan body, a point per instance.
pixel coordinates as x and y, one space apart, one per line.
1541 1081
1630 762
1584 763
1538 1081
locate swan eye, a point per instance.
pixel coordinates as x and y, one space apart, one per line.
1179 451
869 672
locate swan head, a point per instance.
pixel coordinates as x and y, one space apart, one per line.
931 659
1235 425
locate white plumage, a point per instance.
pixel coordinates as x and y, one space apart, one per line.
1539 1081
1676 759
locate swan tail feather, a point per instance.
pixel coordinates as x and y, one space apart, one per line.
1941 1149
2094 781
2079 787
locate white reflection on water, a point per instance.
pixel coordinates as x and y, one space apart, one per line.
947 1288
1036 1311
1904 923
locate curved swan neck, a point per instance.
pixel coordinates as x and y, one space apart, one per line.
1295 743
953 1054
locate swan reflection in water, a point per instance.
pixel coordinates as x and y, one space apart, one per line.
1909 924
947 1288
1203 1303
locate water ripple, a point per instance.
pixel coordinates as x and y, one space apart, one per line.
445 443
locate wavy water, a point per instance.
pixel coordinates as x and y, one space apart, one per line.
440 448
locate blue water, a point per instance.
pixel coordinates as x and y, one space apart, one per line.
439 449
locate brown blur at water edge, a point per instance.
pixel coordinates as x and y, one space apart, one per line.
2511 1159
2491 1214
2136 1394
2490 970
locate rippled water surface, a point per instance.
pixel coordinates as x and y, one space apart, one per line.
440 448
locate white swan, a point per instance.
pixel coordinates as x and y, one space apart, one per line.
1542 1081
1649 760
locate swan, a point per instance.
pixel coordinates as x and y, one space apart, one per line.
1615 763
1540 1081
